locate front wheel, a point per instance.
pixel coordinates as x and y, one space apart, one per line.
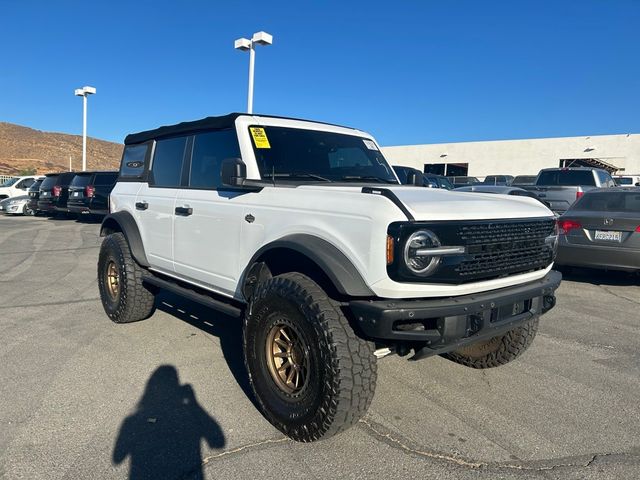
497 350
26 210
311 375
124 296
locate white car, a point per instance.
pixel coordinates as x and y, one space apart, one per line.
627 180
303 230
16 206
16 186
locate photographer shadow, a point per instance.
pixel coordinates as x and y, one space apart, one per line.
162 438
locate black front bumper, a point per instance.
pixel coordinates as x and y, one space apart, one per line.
444 324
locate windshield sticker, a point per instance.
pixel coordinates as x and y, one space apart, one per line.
370 144
259 137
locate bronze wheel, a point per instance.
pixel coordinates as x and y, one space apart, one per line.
113 280
287 358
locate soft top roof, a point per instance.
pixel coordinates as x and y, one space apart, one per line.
208 123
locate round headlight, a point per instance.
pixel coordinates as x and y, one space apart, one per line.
416 262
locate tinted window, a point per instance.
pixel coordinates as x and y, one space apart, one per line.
167 161
81 180
133 160
624 181
628 202
26 183
566 178
36 186
209 150
9 182
49 182
525 179
65 179
445 183
293 152
105 178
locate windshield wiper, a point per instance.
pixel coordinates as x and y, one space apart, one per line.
350 178
297 175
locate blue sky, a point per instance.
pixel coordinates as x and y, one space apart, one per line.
406 71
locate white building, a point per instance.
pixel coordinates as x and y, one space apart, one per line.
616 153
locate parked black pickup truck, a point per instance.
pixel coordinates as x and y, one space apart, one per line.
560 187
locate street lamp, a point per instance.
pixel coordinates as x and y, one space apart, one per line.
83 92
244 44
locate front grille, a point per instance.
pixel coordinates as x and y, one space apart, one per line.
496 249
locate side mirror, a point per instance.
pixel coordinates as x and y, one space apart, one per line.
415 178
233 172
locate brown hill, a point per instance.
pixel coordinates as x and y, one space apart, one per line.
24 148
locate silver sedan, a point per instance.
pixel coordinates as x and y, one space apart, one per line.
16 206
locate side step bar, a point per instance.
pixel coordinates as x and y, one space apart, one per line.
191 294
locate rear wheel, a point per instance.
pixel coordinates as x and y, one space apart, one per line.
124 296
498 350
311 375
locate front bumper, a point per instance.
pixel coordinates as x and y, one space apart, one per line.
445 324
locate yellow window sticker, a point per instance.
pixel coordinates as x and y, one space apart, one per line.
259 137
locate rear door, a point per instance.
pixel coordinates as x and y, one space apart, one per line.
155 201
208 217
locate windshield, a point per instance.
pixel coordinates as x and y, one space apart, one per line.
311 155
446 183
10 182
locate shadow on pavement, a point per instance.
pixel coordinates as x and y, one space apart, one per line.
227 329
599 277
162 437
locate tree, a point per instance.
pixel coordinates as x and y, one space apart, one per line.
27 171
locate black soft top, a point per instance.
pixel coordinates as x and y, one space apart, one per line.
208 123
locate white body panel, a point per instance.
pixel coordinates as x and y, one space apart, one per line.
18 188
213 247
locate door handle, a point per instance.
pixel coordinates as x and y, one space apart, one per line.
184 211
142 205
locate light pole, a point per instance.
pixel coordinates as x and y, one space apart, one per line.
84 92
244 44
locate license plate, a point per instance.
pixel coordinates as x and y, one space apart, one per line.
76 194
609 236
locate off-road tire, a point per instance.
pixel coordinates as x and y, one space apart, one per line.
133 300
341 366
498 350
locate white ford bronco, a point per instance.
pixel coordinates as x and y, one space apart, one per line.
303 230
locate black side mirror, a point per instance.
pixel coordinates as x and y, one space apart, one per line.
233 172
415 178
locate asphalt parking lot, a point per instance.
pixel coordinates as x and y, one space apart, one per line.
168 398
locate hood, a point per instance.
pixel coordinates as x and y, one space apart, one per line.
438 204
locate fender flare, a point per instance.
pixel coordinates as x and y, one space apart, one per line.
125 223
335 264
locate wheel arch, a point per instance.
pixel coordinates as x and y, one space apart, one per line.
125 223
313 256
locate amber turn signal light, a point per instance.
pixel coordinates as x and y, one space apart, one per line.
389 249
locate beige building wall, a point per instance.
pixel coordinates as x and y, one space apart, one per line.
522 157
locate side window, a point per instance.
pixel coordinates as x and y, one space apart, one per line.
209 150
166 167
26 183
133 161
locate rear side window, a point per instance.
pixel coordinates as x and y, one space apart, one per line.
167 162
81 180
567 178
133 160
105 178
627 202
36 186
209 150
65 179
624 181
49 182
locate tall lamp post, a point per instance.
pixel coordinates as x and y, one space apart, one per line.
244 44
84 92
